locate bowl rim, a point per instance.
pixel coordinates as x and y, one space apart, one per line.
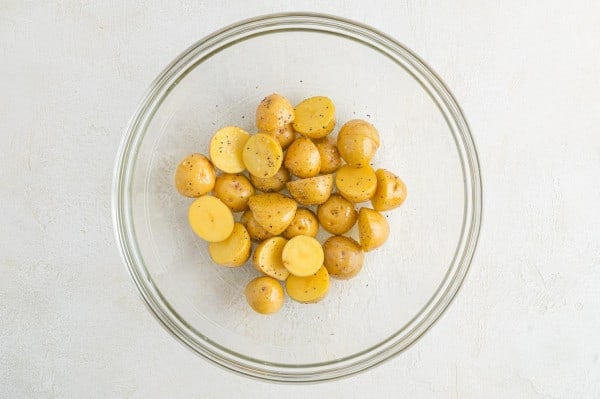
472 212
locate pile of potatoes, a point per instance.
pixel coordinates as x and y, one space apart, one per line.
272 178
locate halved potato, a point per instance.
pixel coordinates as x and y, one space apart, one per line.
256 231
390 193
305 223
337 215
262 155
226 147
330 156
273 183
357 142
267 258
343 257
302 158
194 176
265 295
311 191
234 190
210 218
285 135
373 229
273 112
273 211
302 255
234 251
315 117
356 184
309 289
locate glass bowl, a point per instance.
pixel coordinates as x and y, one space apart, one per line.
404 286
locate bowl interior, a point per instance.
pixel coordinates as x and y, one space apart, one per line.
397 280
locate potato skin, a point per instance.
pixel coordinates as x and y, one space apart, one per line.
344 257
273 112
273 183
265 295
256 231
373 229
273 211
315 117
356 184
337 215
194 176
304 223
302 158
311 191
234 190
267 258
390 193
358 142
285 135
330 156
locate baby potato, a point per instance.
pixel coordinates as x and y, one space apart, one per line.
390 193
262 155
304 223
357 142
267 258
234 190
302 158
265 295
302 256
226 148
373 229
194 176
337 215
273 183
343 257
273 211
285 135
273 112
315 117
330 156
309 289
256 231
210 218
311 191
356 184
234 251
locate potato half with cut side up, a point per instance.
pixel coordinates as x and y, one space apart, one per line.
302 255
356 184
315 117
308 289
210 218
267 258
234 251
262 155
226 149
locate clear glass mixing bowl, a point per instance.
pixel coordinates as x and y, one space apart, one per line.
404 286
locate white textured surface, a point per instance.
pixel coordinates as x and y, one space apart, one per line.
527 321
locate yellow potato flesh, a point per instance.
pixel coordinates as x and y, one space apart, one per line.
315 117
302 256
226 149
302 158
262 155
312 191
265 295
267 258
234 251
373 229
210 219
308 289
356 184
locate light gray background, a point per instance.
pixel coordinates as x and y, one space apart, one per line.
526 323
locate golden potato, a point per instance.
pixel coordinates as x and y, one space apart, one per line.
311 191
302 256
304 223
234 190
302 158
330 156
256 231
356 184
390 193
315 117
337 215
194 176
273 211
234 251
373 229
285 135
309 289
210 218
273 112
262 155
226 147
357 142
265 295
273 183
267 258
343 257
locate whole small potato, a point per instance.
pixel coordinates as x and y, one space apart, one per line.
330 156
273 183
194 176
265 295
273 112
302 158
357 142
304 223
337 215
234 190
343 257
256 231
